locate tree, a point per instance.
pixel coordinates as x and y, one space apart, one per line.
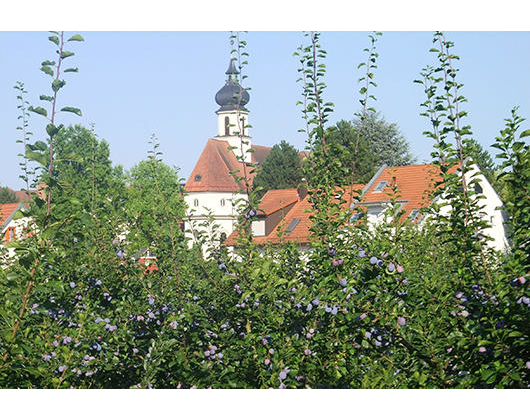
387 144
7 196
341 139
483 159
155 206
378 142
83 168
280 169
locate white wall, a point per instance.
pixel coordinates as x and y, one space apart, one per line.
224 215
233 139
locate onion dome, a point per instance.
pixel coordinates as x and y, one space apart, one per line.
231 94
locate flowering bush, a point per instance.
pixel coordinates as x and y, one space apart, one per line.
389 307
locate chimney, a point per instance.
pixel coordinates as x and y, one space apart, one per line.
302 189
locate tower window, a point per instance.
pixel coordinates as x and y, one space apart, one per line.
196 203
227 126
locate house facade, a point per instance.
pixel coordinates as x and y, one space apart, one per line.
13 223
415 185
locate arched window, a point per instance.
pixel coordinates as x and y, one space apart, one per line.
196 203
227 126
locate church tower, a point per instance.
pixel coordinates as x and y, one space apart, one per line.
232 116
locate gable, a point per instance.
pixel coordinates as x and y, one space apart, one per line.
213 169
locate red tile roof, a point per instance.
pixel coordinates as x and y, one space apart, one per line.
301 210
415 185
212 171
275 200
7 210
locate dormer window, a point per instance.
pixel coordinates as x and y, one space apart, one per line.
380 187
197 178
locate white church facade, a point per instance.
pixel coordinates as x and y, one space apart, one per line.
212 191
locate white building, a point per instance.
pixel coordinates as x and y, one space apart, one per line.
212 188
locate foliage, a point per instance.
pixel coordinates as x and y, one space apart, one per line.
280 169
7 196
391 306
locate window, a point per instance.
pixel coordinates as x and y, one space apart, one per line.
223 202
196 203
292 225
478 188
227 126
10 234
413 214
356 216
197 178
380 186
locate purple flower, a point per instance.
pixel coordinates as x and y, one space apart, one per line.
115 242
151 315
55 343
173 324
368 334
482 350
72 284
362 254
459 295
308 335
309 307
266 361
113 328
334 310
332 251
311 330
402 321
75 239
46 357
98 283
207 353
384 254
307 352
220 355
283 375
338 262
140 318
528 365
343 282
373 260
61 368
362 316
316 301
67 340
135 350
53 354
391 267
400 268
271 351
465 314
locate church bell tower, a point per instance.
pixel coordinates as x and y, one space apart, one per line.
232 116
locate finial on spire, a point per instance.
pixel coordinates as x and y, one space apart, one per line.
232 68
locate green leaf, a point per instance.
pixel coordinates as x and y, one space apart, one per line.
76 37
66 54
46 98
54 39
48 63
57 84
39 110
52 130
76 111
525 133
70 70
47 70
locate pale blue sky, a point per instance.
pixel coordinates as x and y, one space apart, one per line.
133 84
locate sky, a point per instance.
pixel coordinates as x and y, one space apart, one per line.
132 84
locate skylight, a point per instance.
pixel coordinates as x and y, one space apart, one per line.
292 225
380 186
